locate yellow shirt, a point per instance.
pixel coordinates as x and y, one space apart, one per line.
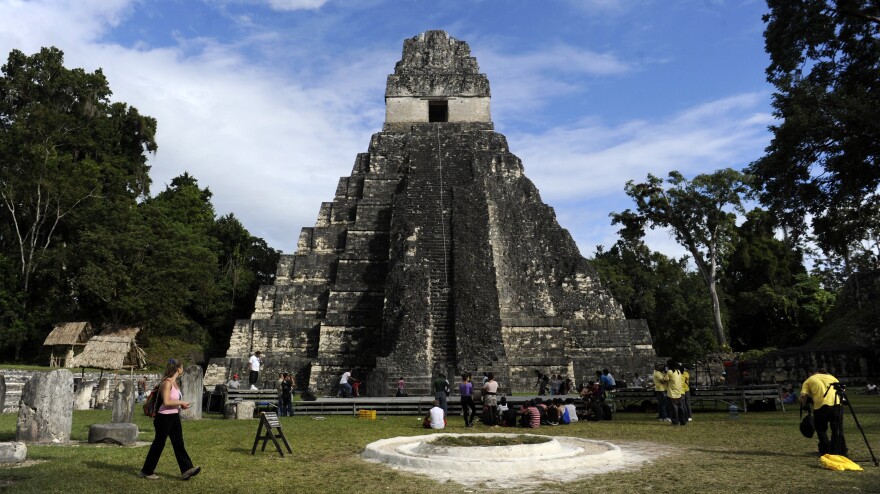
816 386
659 381
685 382
673 386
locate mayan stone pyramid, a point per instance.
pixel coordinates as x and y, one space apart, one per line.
436 255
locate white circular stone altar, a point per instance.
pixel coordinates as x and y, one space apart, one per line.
559 459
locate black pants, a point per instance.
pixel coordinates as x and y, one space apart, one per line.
167 426
830 416
468 409
253 377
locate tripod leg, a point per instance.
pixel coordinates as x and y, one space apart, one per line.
859 426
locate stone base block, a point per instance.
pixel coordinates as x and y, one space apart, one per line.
244 410
13 452
121 434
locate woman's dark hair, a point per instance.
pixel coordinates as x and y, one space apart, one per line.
171 368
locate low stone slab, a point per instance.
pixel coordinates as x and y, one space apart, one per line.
13 452
122 434
244 410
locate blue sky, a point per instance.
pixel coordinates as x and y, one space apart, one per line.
267 102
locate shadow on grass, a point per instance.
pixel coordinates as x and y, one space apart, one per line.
756 453
7 436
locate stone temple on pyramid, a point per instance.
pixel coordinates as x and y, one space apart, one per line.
436 255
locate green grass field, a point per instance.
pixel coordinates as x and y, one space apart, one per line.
759 452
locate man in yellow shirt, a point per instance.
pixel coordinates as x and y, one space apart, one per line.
685 391
673 394
660 391
819 391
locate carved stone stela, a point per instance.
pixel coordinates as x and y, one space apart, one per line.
436 255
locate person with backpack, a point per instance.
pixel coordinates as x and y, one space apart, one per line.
167 424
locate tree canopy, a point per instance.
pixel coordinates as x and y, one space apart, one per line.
821 170
80 236
700 215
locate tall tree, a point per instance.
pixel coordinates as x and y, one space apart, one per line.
771 300
63 146
824 160
700 215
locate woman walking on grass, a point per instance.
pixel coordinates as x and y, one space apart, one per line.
167 424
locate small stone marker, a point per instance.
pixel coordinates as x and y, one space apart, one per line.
102 394
45 412
2 392
83 398
192 386
244 410
122 434
13 452
123 402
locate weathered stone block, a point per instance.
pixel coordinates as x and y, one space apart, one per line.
116 433
123 402
13 452
244 410
83 397
192 387
46 410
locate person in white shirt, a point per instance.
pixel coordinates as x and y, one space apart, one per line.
435 419
254 367
344 386
572 411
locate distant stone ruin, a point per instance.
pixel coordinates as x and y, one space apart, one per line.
437 255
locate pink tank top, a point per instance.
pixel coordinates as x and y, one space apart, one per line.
174 395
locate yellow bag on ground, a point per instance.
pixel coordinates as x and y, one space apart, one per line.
838 463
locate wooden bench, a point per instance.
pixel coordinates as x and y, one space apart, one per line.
264 398
742 396
622 398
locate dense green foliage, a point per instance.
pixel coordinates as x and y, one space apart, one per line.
700 213
80 236
822 168
766 298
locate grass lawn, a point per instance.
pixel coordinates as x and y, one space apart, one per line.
759 452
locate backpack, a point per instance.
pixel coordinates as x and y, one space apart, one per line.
151 406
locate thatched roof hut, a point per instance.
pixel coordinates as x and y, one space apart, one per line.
113 349
70 337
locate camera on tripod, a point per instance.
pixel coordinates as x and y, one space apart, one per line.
838 386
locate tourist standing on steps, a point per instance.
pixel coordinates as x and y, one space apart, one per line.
466 389
440 385
344 385
286 396
254 370
167 424
818 391
490 389
401 387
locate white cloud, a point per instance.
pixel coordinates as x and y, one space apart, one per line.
287 5
589 159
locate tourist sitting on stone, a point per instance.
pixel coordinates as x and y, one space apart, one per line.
591 391
570 408
593 410
551 413
531 417
233 383
436 418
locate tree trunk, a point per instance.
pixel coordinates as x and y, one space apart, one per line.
716 314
